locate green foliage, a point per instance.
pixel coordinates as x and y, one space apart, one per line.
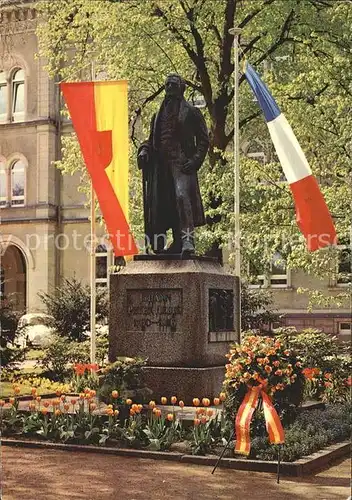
256 309
311 431
63 352
69 305
327 362
126 376
303 51
9 352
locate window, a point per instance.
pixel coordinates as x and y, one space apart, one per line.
345 330
3 184
3 96
18 95
344 277
17 183
278 276
12 95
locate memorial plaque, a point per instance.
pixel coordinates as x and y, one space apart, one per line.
221 315
154 310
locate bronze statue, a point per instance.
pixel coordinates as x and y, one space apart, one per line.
170 158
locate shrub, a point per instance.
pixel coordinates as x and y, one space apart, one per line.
62 352
263 361
69 305
9 352
311 431
327 365
126 376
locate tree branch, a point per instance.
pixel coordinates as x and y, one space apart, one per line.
138 112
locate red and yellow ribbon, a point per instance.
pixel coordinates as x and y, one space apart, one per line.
244 418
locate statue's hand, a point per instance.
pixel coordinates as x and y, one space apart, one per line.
143 159
188 167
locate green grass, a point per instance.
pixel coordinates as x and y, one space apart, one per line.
7 391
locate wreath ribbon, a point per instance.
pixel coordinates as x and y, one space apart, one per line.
244 418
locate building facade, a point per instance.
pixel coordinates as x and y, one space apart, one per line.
44 220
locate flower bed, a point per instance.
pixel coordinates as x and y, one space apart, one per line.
75 420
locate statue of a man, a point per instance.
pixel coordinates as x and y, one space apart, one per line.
170 158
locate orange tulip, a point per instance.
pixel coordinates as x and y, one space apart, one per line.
132 412
81 395
116 413
200 411
157 412
196 402
31 406
109 411
44 411
140 407
216 401
196 421
173 400
93 393
152 404
206 402
128 402
38 399
210 412
268 369
92 406
46 403
2 403
135 407
181 404
203 419
12 401
57 413
222 396
16 389
33 390
63 397
58 393
56 402
163 400
170 417
114 394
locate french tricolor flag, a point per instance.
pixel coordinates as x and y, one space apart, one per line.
312 214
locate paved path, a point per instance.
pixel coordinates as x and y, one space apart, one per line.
30 474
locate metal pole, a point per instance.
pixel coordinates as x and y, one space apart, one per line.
278 464
236 156
92 276
92 262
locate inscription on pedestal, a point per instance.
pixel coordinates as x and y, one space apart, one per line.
154 310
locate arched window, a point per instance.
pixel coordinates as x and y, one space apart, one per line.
3 184
3 96
18 95
18 183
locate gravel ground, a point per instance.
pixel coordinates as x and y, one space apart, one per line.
35 474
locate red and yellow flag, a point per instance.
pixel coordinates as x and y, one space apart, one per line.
244 418
99 113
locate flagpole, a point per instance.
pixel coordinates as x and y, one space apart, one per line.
92 276
236 156
92 263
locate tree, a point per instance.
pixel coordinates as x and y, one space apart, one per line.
303 49
257 310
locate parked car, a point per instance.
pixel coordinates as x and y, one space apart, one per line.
34 329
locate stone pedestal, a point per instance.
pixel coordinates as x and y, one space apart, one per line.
181 315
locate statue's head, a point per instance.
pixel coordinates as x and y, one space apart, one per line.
174 85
